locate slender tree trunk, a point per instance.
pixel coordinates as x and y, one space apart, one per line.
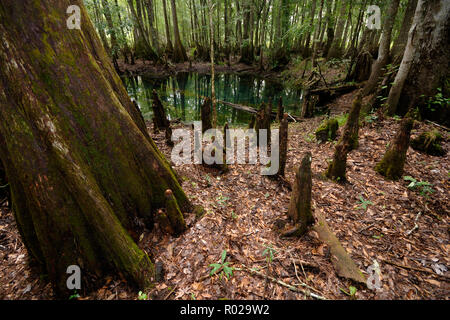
213 86
169 46
383 52
179 53
402 39
81 165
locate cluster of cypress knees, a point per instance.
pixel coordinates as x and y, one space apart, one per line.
390 166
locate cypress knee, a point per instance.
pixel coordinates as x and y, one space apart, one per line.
280 111
159 113
206 115
164 222
300 206
283 144
391 166
348 142
251 125
174 214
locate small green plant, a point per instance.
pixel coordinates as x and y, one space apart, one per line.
74 296
424 185
208 180
222 201
364 203
310 137
269 253
351 292
438 101
342 119
371 118
234 215
223 267
193 296
142 296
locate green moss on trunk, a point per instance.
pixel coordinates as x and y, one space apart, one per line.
391 166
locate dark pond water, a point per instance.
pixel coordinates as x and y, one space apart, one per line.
183 94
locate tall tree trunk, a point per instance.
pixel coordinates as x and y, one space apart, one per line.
151 22
430 63
213 85
402 39
137 18
383 52
81 165
169 46
179 53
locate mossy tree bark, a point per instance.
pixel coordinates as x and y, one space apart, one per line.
391 166
81 165
348 142
300 205
426 63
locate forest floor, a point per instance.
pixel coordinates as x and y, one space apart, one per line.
404 231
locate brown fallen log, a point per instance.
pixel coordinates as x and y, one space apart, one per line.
254 111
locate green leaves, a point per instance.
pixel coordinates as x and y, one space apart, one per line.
364 203
223 266
424 185
142 296
269 253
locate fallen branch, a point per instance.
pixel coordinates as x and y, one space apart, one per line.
415 269
284 284
252 110
416 226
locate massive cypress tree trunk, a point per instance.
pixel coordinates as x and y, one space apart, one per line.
425 65
82 168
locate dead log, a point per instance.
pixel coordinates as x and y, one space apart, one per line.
391 166
300 211
343 264
253 110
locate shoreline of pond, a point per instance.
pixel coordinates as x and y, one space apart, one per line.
156 70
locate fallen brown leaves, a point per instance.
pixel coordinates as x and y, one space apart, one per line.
244 209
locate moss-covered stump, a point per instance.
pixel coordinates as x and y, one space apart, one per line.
300 211
352 124
429 142
327 130
348 142
174 214
391 166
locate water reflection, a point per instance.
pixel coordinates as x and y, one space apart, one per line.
183 94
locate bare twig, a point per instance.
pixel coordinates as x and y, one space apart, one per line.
416 226
284 284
